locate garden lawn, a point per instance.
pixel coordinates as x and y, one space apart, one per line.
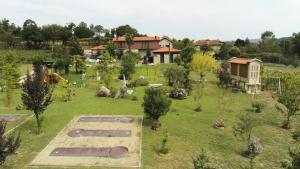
189 131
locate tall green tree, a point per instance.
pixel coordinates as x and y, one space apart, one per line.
36 94
296 43
126 29
269 42
83 31
128 62
31 33
8 76
51 33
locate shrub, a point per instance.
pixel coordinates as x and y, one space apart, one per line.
141 82
178 93
164 149
174 74
134 98
296 135
113 92
155 104
166 89
201 161
258 106
219 123
8 145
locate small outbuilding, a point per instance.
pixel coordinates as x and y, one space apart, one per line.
164 55
246 72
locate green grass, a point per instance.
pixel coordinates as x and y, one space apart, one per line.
189 131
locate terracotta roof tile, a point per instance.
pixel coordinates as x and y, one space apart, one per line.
242 61
166 50
208 42
100 47
141 38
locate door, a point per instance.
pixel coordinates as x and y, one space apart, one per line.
162 58
171 58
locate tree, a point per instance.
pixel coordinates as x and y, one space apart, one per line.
78 64
128 62
155 104
8 75
289 98
205 48
224 75
201 161
8 145
269 42
234 52
244 127
202 63
51 33
239 43
174 75
294 158
98 30
129 40
83 31
126 29
31 33
106 69
36 95
296 43
74 47
186 56
65 34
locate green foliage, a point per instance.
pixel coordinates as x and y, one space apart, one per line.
174 74
8 145
74 47
258 106
8 75
128 64
83 31
201 161
244 126
294 158
31 33
164 149
296 135
290 97
296 43
269 42
36 95
138 82
234 52
126 29
155 104
106 69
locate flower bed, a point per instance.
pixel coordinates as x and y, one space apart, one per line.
99 133
106 119
114 152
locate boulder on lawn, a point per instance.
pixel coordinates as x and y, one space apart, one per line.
103 92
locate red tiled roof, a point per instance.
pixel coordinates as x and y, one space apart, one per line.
100 47
141 38
208 42
242 61
166 50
